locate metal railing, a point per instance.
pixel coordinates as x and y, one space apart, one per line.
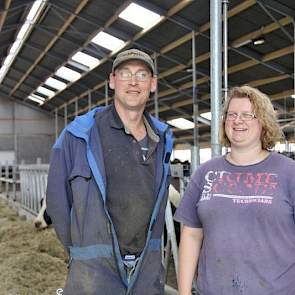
33 182
9 180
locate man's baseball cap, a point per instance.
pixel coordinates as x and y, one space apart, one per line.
133 54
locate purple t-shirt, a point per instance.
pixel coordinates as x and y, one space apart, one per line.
247 215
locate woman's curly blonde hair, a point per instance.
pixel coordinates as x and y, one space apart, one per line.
263 110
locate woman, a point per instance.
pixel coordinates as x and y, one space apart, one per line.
238 210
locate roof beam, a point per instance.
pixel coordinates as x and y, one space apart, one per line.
264 8
278 7
236 10
3 14
262 31
254 83
267 29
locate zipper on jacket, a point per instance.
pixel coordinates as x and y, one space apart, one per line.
70 262
109 228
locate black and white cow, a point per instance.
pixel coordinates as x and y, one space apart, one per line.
42 220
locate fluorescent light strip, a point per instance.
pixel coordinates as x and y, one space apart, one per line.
2 70
139 16
34 11
54 83
181 123
26 28
107 41
15 47
67 74
23 31
85 59
8 60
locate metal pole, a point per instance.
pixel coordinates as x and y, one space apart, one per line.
76 107
286 139
215 73
66 114
156 98
56 123
225 50
14 134
195 151
294 74
89 100
106 92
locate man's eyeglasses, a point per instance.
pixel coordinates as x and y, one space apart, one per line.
126 75
245 116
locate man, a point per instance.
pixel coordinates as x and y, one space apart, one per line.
107 188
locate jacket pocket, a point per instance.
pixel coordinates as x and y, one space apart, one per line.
80 181
83 172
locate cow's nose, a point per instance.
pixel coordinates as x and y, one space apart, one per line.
38 224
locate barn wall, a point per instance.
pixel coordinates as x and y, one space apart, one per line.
26 132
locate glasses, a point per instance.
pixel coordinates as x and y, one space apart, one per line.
245 116
126 75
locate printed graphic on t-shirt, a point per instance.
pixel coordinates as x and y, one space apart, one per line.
240 187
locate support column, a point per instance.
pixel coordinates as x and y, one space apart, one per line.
66 114
156 97
56 123
215 73
225 48
293 96
195 151
106 92
89 100
76 107
14 133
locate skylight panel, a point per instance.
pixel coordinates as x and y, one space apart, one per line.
139 15
38 97
206 115
31 97
45 91
67 74
181 123
85 59
54 83
34 9
107 41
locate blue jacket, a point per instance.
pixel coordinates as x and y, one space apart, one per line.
76 202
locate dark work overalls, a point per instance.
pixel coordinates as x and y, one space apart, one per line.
76 202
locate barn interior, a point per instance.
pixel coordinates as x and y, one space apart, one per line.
56 57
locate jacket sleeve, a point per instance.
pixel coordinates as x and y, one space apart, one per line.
59 195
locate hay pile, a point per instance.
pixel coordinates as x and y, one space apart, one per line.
31 262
